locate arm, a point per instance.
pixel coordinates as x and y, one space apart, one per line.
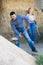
14 28
24 17
35 22
27 19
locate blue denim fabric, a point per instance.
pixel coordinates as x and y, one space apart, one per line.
18 23
32 31
25 34
17 36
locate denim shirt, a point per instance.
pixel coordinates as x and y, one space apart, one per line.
18 23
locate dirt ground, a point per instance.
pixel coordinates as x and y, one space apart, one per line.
39 47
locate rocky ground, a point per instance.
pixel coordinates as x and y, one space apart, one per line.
39 47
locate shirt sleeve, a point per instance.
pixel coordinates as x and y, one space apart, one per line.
25 17
14 28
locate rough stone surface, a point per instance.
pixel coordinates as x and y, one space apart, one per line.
12 55
19 6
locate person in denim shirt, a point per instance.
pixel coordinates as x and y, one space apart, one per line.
18 28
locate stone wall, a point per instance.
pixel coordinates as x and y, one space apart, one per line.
39 4
19 6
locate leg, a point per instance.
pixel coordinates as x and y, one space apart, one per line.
34 31
30 33
30 42
17 43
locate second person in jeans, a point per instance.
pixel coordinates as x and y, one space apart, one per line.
32 29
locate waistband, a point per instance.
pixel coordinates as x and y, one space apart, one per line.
31 22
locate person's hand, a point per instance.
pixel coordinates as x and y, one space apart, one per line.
27 27
20 35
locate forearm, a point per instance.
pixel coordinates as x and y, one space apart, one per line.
35 22
14 29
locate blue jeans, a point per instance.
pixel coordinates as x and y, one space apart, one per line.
25 34
32 31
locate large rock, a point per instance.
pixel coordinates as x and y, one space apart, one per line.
19 6
12 55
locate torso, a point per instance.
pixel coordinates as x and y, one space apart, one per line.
18 22
31 17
